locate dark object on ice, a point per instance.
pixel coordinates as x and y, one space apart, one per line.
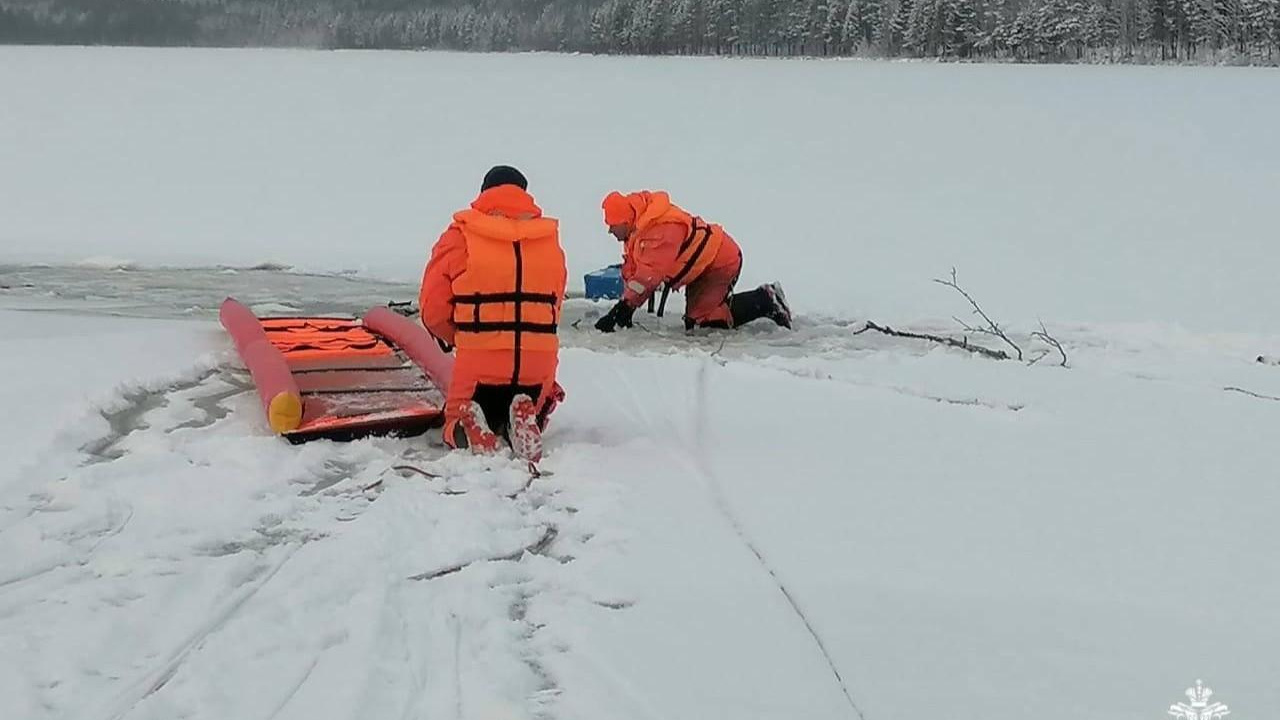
962 344
537 547
407 308
504 175
1251 393
619 316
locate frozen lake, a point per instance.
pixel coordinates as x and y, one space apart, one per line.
1076 194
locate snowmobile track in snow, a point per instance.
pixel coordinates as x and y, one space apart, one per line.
154 680
704 470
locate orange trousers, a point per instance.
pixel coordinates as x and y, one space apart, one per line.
707 297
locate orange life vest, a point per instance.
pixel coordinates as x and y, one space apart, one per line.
509 296
702 240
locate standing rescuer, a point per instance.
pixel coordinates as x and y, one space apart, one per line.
663 244
493 289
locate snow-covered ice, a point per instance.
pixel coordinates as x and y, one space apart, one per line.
732 520
954 530
1091 194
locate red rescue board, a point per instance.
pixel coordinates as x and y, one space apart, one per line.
349 381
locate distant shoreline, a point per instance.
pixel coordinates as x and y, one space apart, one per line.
1223 62
1128 32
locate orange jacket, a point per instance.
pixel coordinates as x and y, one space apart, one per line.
666 244
499 218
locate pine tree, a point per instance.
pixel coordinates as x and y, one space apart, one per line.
959 27
996 39
795 26
1264 20
833 31
898 26
1049 26
1024 41
1144 24
923 34
1201 25
1229 22
775 31
873 21
852 26
1164 26
753 25
721 22
815 40
684 30
1099 27
550 30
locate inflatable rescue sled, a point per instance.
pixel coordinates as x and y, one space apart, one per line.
337 378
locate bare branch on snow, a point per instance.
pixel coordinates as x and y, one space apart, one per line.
1043 335
991 328
950 342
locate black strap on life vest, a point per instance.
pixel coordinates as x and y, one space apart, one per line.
507 326
477 300
662 305
505 297
698 227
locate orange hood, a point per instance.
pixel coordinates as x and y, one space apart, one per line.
637 209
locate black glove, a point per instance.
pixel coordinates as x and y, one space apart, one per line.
619 316
623 312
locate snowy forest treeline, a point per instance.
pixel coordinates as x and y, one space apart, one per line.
1027 30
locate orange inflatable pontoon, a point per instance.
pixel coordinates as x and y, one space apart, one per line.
338 378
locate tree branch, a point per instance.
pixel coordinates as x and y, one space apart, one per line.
988 327
1043 335
992 328
949 342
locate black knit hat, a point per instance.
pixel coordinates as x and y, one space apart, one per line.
503 175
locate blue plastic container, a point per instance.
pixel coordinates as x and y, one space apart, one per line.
605 283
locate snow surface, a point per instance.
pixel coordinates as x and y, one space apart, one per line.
1080 194
763 524
955 531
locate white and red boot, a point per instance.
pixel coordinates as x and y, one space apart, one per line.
470 431
523 430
